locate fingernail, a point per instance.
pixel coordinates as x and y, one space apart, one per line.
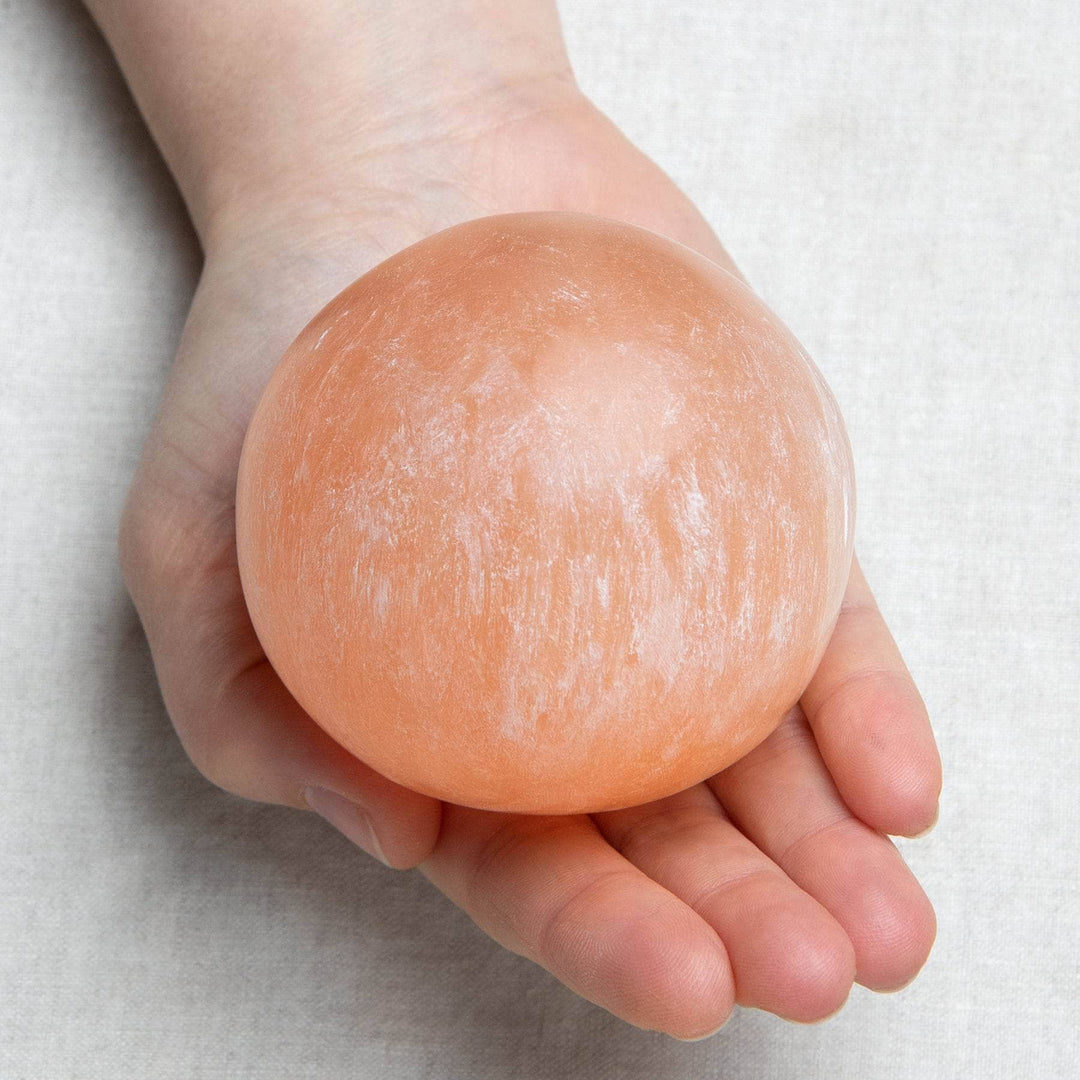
699 1038
350 820
929 828
707 1035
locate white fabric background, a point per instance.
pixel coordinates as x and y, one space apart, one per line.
901 182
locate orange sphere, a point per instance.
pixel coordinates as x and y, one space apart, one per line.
546 513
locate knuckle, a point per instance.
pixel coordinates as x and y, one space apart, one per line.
177 520
176 551
154 541
223 747
137 535
560 928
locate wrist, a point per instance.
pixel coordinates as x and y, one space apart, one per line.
298 101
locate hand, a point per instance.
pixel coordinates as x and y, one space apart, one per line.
773 884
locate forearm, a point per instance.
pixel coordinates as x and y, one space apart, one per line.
249 100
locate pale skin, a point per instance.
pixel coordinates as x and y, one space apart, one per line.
311 139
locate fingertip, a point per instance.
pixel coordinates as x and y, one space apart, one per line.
905 801
418 836
401 833
926 831
915 820
804 965
707 1035
915 791
876 739
899 934
686 984
409 831
406 823
824 972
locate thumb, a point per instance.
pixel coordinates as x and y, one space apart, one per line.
236 719
287 758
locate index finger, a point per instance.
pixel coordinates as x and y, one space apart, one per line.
554 890
870 721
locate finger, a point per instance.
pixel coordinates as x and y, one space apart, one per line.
234 716
258 742
553 890
870 722
788 954
782 797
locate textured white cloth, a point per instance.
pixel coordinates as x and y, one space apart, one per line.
901 182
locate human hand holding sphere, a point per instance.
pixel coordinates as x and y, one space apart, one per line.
770 883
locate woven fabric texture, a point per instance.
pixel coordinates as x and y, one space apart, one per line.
901 183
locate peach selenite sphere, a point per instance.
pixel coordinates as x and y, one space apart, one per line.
546 513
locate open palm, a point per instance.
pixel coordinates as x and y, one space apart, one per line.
773 884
